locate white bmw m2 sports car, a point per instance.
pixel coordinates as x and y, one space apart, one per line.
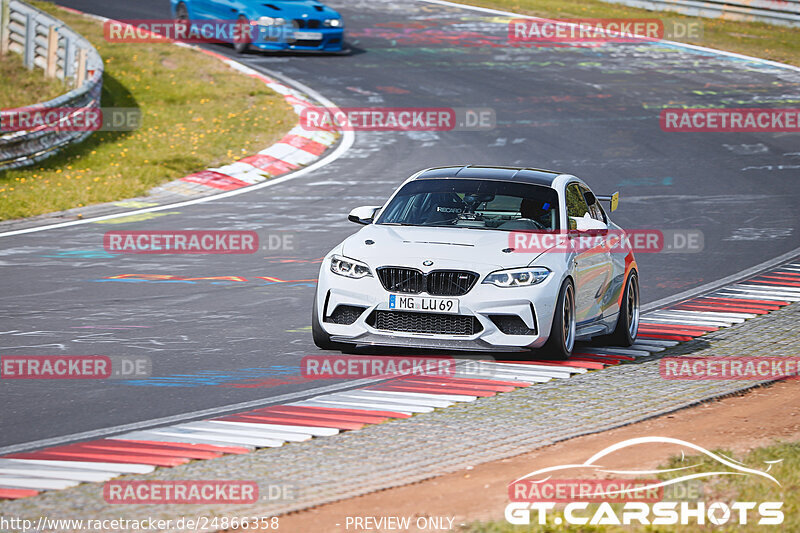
480 258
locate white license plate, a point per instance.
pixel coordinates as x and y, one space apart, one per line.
423 303
308 36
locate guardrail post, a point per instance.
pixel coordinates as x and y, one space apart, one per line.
5 19
30 41
69 60
80 76
52 52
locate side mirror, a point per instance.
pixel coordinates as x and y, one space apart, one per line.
363 215
588 224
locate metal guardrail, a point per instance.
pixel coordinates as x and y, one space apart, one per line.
47 43
780 12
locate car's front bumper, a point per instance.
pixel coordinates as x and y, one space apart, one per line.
533 305
321 40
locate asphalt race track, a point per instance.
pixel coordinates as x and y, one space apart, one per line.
592 112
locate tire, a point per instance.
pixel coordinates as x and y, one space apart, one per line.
181 13
241 45
628 320
321 339
562 333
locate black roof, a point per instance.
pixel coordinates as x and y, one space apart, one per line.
518 174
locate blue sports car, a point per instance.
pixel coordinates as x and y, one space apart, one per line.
294 25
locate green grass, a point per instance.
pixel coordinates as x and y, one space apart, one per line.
20 87
724 489
777 43
196 113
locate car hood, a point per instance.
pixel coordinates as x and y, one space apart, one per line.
458 248
291 9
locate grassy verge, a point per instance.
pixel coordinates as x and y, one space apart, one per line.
20 87
726 489
196 112
756 39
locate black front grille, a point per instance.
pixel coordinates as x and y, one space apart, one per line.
434 323
309 24
345 314
451 282
406 280
438 282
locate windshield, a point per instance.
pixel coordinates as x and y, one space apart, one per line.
471 203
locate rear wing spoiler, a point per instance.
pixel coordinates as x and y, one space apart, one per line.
613 200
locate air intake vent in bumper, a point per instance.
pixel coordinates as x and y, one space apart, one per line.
433 323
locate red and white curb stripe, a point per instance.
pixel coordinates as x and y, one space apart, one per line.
140 452
296 149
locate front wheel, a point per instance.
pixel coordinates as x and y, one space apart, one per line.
241 37
628 321
562 334
321 339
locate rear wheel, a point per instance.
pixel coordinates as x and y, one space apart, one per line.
562 333
628 321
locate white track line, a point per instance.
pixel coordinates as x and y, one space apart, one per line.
330 405
406 397
436 396
305 430
36 484
242 431
613 351
422 395
192 435
122 468
744 296
388 405
770 288
74 475
542 370
642 344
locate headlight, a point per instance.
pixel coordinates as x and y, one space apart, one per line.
350 268
332 23
518 277
269 21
